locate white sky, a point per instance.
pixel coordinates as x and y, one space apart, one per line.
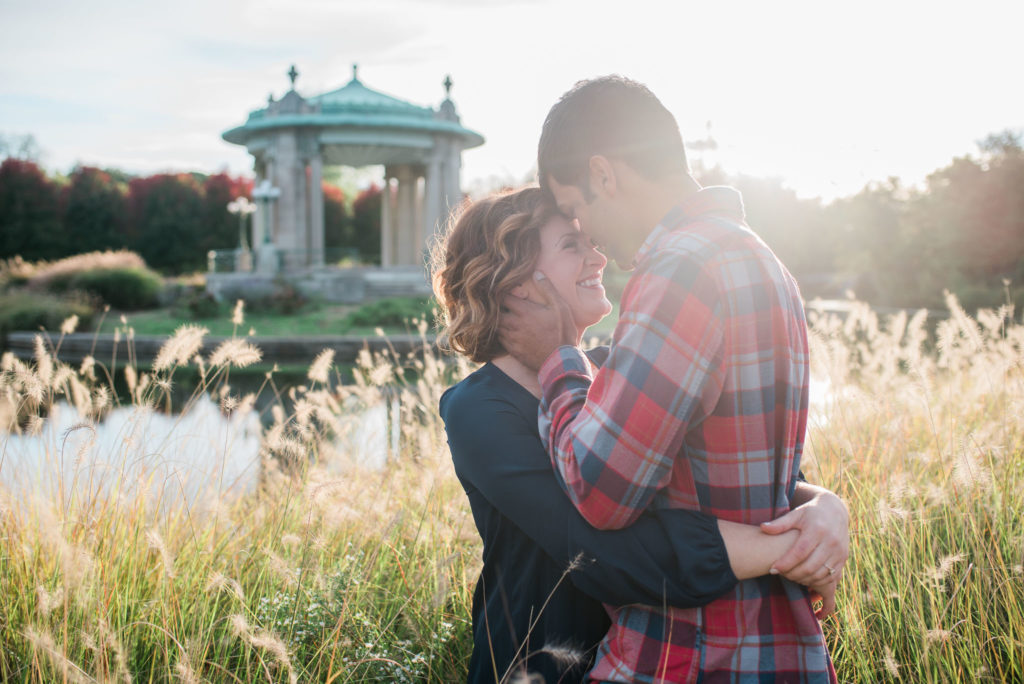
826 95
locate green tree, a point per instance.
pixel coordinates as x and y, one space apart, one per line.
166 222
93 213
366 224
220 227
30 223
337 222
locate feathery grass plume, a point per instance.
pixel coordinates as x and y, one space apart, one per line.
219 582
235 352
185 672
69 324
321 366
87 444
182 346
566 656
110 640
968 471
237 316
88 368
945 565
263 639
46 601
891 666
43 641
938 635
131 380
278 565
156 543
44 362
523 677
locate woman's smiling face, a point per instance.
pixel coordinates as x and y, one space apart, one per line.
572 263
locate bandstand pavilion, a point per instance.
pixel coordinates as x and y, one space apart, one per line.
294 137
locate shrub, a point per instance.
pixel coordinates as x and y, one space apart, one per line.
31 311
44 273
127 289
396 311
119 279
286 299
15 272
198 303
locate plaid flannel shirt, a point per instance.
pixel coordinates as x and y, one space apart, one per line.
701 404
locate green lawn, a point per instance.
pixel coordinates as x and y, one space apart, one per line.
314 319
311 320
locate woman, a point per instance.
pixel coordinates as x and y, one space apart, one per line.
537 605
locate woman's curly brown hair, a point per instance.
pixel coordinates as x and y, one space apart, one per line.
491 247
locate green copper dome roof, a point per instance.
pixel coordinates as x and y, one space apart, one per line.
353 106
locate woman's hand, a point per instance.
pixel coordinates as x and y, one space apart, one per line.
817 558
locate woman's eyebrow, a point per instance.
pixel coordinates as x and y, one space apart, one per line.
569 234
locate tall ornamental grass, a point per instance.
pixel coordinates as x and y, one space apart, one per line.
329 571
923 436
332 571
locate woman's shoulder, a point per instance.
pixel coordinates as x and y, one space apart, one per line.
476 391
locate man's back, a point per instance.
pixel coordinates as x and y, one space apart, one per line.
702 404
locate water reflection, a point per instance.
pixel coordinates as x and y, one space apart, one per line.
200 456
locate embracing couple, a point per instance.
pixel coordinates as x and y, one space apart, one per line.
641 505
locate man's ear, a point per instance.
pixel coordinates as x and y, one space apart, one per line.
602 176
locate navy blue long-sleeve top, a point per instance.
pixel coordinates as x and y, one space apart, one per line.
533 603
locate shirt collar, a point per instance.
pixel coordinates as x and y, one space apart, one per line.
714 199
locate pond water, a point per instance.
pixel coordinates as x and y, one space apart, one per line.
199 455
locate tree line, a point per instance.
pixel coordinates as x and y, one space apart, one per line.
891 245
898 246
172 220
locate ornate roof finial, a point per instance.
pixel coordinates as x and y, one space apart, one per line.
447 86
355 72
293 74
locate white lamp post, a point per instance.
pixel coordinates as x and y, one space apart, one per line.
242 207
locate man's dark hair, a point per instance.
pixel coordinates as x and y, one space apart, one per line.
611 116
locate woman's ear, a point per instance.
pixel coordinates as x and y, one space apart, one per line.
520 291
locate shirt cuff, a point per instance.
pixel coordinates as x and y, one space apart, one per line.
564 360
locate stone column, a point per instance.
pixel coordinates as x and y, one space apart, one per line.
316 204
432 200
406 246
419 220
387 243
452 181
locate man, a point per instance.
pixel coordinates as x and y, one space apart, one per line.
702 402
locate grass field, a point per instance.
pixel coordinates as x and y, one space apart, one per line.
334 573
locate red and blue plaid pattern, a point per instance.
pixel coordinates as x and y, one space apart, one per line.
701 404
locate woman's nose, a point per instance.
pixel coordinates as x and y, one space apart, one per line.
594 256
